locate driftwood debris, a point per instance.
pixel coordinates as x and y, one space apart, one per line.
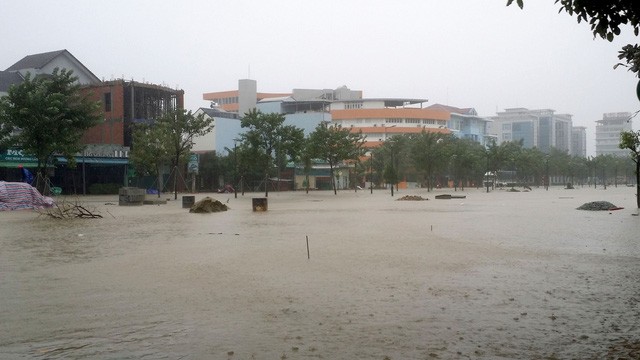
67 210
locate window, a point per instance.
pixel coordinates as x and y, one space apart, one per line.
506 127
107 102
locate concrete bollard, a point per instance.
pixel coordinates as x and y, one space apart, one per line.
188 201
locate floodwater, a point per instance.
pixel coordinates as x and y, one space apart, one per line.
495 275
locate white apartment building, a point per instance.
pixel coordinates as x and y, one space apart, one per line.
608 133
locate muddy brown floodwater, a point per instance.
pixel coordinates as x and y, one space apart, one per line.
495 275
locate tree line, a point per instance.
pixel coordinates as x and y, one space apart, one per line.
429 159
46 116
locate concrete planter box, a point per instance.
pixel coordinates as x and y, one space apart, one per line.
129 196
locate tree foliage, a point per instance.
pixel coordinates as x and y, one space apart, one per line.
47 115
150 151
605 19
180 127
168 140
334 145
630 140
267 136
428 154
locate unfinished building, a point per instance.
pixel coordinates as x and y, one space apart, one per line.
127 102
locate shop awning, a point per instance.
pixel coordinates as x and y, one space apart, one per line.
15 164
96 160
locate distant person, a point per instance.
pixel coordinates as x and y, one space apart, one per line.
27 176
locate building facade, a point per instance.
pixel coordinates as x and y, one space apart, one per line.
226 130
105 158
465 123
608 131
379 119
542 129
239 101
579 141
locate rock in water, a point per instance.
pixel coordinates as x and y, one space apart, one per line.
208 205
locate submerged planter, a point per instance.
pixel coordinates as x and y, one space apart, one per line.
259 204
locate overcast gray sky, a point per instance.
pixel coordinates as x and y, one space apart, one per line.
464 53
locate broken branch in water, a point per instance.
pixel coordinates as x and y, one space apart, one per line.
67 210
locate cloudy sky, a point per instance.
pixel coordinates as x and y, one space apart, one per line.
464 53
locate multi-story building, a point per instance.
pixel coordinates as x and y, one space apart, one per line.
379 119
125 103
465 123
542 129
608 133
226 128
579 141
105 157
239 101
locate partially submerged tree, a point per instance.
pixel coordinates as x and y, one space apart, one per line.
334 144
631 140
168 140
267 136
428 154
45 116
395 152
180 127
149 152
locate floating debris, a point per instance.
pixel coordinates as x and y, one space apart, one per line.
449 196
412 198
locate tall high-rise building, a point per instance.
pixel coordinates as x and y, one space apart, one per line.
542 129
608 133
579 141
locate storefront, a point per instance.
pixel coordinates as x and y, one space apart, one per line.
98 169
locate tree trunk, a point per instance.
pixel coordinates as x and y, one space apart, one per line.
638 182
159 178
333 179
175 183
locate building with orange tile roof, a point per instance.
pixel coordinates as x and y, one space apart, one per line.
379 119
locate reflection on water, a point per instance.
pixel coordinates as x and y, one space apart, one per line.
498 275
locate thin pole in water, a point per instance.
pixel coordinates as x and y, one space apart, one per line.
308 256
